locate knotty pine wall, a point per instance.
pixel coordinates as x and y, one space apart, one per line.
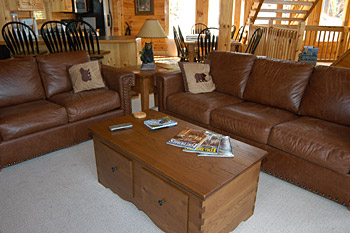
124 12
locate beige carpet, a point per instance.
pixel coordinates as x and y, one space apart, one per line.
59 192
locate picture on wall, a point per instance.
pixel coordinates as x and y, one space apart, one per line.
144 7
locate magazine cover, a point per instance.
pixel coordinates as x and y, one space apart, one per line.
160 123
209 146
225 149
189 138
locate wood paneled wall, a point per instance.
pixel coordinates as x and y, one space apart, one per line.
125 12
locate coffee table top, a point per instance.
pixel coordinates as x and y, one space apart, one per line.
198 175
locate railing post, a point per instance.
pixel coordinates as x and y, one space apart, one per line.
300 37
270 25
340 49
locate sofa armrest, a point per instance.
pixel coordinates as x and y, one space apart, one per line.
168 84
120 81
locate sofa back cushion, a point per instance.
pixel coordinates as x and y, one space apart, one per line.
19 82
328 95
230 71
278 83
53 69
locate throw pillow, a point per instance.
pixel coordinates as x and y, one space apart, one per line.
196 77
86 76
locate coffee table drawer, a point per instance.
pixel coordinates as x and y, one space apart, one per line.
114 170
165 204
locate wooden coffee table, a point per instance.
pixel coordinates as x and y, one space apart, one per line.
179 191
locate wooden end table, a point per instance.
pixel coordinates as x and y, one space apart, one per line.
144 82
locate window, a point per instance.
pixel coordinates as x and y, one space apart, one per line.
214 13
181 13
332 13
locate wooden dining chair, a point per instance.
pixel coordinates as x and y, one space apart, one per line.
240 33
20 39
55 37
233 30
198 27
207 41
254 40
182 51
84 37
239 36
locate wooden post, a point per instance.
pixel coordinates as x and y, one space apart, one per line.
225 22
270 25
237 14
300 36
343 33
202 9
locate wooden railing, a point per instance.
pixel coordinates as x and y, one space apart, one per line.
331 41
278 43
286 41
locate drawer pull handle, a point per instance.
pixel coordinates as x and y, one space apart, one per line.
160 202
114 169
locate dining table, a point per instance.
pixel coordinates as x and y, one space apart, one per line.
236 46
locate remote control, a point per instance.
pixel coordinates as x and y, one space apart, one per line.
120 126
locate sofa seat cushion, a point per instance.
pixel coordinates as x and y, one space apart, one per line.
23 119
318 141
249 120
198 106
87 103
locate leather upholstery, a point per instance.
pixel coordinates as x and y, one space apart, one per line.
20 82
309 151
53 69
87 103
309 176
328 95
122 85
278 84
249 120
31 117
46 141
321 142
230 71
168 84
32 124
198 106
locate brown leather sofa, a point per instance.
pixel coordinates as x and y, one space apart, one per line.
39 112
297 112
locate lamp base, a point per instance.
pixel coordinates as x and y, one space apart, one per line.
148 66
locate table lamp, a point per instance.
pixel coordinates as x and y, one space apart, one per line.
150 29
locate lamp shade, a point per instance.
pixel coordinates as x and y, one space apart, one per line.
152 29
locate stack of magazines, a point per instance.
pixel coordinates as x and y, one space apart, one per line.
203 142
160 123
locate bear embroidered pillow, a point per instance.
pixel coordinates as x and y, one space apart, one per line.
86 76
196 77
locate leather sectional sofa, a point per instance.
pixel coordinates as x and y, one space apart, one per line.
297 112
40 113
